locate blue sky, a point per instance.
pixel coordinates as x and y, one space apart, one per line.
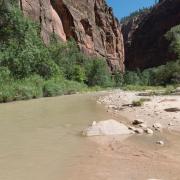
123 8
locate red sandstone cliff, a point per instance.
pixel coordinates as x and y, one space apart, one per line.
90 22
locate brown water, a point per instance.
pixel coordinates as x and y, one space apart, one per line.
39 140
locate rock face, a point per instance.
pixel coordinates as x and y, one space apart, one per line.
148 47
105 128
43 13
130 26
90 22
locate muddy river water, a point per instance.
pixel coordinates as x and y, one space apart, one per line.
40 140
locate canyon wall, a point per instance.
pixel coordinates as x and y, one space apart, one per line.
145 44
90 22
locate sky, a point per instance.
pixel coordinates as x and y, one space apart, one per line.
123 8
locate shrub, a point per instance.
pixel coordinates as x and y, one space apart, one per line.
173 36
52 88
132 78
137 103
98 74
4 75
22 49
140 102
27 88
118 79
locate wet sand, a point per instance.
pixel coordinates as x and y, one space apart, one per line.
135 158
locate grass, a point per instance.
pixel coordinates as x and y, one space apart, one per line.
137 103
140 102
153 90
36 87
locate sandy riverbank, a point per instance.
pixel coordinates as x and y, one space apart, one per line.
155 110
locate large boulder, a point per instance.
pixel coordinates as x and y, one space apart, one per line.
105 128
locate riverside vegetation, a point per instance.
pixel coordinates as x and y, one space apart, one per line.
31 69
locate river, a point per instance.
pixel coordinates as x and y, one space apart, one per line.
40 140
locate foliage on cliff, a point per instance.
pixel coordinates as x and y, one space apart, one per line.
135 14
29 68
173 36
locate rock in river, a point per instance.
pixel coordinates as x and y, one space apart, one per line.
105 128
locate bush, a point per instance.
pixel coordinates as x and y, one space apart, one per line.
74 87
52 88
118 79
98 74
22 50
69 59
137 103
173 36
4 75
21 89
132 78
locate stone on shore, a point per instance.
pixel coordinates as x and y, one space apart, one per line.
160 142
149 131
139 131
137 122
157 126
105 128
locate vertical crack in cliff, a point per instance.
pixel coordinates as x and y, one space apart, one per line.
20 4
40 18
66 18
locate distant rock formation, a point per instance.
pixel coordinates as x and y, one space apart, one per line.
145 44
90 22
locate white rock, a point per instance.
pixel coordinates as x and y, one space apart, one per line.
160 142
138 121
108 127
170 124
149 131
94 123
112 107
139 130
157 126
177 89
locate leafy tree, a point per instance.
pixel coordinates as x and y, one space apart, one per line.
22 49
173 36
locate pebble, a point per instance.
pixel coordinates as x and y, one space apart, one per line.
94 123
149 131
170 124
132 128
160 142
138 121
139 130
157 126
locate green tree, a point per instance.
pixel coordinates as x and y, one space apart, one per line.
173 36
